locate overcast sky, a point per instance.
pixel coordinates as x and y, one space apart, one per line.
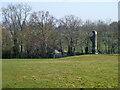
84 10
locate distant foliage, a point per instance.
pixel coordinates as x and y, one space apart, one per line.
27 34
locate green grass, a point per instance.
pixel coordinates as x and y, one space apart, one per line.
86 71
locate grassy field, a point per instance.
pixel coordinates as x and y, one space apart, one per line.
86 71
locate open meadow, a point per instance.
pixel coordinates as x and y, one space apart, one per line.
85 71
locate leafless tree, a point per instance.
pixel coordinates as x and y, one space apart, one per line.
71 24
14 19
44 23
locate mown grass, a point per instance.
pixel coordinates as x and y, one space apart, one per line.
86 71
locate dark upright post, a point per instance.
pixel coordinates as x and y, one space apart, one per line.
86 50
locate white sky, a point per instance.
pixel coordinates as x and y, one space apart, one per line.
59 0
84 9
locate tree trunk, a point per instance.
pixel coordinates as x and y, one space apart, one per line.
15 49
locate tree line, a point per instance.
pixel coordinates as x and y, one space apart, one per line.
27 34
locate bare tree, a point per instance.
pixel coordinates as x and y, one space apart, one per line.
71 24
44 23
14 19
